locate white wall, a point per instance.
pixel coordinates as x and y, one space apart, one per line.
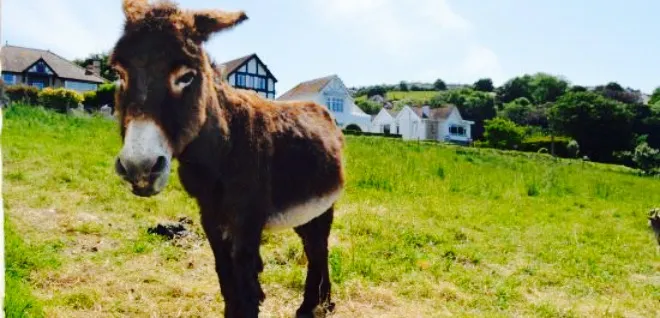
381 119
410 125
454 118
351 113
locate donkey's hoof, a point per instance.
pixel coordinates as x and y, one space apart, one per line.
318 312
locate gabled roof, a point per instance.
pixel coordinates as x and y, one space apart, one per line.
18 59
434 113
392 112
233 65
309 87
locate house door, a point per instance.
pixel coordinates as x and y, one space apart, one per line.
386 129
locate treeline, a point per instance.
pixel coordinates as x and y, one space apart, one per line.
607 123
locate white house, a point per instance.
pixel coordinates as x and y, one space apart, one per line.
424 123
249 72
384 122
331 92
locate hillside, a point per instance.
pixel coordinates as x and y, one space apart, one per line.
423 230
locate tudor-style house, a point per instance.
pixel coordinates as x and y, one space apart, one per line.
331 92
42 68
249 72
425 123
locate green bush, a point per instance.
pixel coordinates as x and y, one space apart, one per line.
646 158
535 144
573 149
369 107
105 95
502 133
23 93
90 100
59 99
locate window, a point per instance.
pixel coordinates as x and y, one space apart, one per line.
250 81
457 130
41 68
9 78
240 80
38 85
335 104
397 130
261 83
79 86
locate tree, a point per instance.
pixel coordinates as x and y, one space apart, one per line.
439 85
539 88
655 97
484 85
515 88
518 111
547 88
615 91
600 125
577 88
403 86
503 134
106 71
473 105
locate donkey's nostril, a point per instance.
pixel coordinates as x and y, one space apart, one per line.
160 165
120 169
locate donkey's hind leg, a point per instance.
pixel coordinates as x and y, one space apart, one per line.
314 235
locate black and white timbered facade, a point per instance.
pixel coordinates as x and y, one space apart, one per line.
249 72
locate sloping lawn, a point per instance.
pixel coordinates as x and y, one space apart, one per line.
421 231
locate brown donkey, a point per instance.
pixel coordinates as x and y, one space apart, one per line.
251 164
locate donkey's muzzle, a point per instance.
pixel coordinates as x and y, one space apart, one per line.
143 175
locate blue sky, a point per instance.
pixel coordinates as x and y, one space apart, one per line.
365 42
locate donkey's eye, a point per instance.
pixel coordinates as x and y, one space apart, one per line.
186 79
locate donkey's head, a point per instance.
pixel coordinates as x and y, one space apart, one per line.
165 85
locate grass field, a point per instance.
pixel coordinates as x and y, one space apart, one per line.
421 231
418 97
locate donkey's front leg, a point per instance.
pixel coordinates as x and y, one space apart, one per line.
247 265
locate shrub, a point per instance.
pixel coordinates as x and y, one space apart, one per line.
534 144
503 133
573 149
105 95
23 93
369 107
59 99
646 158
90 100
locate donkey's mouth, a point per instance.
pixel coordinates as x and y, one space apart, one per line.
144 192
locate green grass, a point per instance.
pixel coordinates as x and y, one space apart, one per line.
422 230
21 260
420 97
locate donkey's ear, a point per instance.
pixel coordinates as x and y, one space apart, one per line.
135 9
208 22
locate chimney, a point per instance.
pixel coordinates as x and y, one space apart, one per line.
94 68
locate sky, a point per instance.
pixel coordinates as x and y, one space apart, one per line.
366 42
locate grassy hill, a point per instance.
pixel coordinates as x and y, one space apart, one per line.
422 231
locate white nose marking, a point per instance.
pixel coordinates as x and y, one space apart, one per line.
144 141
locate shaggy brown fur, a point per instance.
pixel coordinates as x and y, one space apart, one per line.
245 159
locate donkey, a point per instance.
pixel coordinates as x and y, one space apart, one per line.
252 164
